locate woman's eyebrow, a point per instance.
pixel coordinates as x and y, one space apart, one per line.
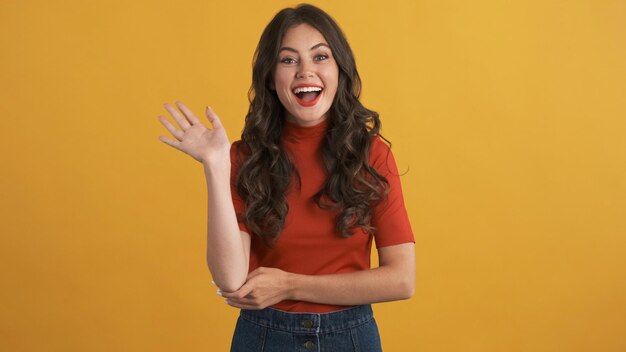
296 51
318 45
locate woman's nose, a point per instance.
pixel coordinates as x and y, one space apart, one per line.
304 74
304 70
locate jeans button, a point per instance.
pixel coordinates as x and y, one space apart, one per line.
309 345
307 323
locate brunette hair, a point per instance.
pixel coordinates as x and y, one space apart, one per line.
353 185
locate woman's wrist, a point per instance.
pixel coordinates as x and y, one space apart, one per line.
294 286
293 282
216 159
216 166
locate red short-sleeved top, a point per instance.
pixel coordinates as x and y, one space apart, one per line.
309 243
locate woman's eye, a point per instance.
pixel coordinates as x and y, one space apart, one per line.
321 57
288 60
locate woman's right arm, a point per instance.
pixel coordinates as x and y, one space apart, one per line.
228 248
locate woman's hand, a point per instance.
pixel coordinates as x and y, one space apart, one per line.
195 139
264 287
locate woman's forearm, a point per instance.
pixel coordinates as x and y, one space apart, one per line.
380 284
226 257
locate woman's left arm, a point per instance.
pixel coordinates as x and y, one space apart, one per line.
393 280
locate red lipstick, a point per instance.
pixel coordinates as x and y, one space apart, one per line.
308 103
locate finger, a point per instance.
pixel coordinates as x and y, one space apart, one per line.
255 272
242 292
173 130
213 118
235 305
243 301
190 116
175 144
182 121
242 306
232 295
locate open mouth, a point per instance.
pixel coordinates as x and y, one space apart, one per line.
308 96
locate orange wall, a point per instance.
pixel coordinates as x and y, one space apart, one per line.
508 116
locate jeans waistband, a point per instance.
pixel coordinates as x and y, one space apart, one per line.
310 322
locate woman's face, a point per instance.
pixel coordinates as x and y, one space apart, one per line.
306 75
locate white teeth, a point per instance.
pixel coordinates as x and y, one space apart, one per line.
306 89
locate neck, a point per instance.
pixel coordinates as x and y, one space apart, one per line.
296 132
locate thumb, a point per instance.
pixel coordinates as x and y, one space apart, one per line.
242 292
255 272
213 118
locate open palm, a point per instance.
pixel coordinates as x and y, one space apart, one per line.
194 138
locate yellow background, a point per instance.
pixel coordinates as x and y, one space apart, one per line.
508 115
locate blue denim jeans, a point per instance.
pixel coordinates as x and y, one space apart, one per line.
273 330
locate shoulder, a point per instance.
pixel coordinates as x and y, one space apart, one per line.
238 144
379 146
381 156
239 151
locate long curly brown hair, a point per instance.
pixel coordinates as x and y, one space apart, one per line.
353 185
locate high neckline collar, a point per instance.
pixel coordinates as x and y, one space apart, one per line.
295 132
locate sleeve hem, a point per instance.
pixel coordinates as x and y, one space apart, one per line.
393 243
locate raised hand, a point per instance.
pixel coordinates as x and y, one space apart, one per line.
195 139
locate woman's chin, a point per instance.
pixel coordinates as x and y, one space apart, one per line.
306 119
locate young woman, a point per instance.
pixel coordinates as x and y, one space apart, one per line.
293 207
